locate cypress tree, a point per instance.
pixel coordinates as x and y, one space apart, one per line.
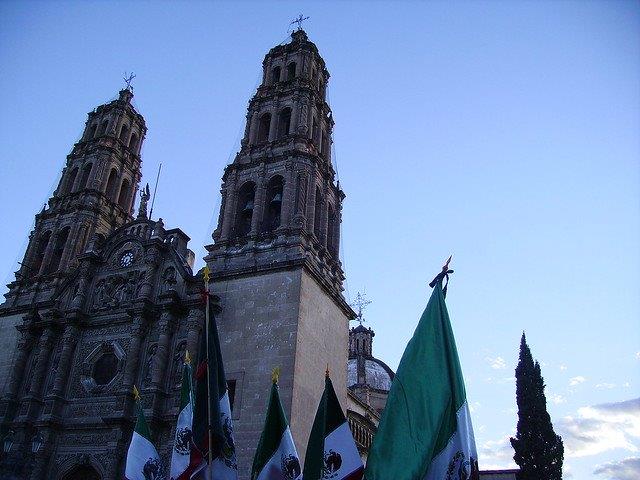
539 452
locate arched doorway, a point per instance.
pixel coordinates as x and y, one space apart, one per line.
82 472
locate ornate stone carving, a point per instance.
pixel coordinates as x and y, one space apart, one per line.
168 279
102 367
178 361
129 247
117 290
148 365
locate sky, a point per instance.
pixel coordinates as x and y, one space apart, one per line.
504 133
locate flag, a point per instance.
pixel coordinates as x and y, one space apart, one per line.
425 432
331 451
212 404
143 461
180 456
276 457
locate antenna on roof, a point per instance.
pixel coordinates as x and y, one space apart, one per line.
155 189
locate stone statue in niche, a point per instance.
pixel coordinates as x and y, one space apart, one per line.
178 361
116 290
148 366
168 279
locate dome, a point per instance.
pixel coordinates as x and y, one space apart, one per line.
377 375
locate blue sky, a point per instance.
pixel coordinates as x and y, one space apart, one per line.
504 133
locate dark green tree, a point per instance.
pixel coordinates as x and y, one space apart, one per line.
539 451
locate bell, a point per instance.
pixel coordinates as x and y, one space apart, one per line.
277 198
248 206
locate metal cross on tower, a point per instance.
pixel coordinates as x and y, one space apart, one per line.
128 79
361 302
299 21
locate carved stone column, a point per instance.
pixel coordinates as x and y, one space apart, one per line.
45 344
152 261
166 325
311 204
23 349
48 252
138 332
258 206
273 127
195 323
69 341
70 247
83 284
230 206
288 198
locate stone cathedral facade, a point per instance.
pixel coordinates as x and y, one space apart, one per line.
106 298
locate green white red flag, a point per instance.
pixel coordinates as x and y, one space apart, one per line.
143 461
425 432
331 451
213 455
181 453
276 457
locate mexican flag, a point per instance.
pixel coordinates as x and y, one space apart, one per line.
212 397
143 461
180 456
331 451
276 457
425 432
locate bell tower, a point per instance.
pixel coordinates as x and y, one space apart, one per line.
275 257
94 197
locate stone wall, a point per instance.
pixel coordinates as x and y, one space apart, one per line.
8 340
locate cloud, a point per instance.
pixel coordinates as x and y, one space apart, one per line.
600 428
638 355
496 454
608 386
627 469
497 363
576 380
562 367
557 399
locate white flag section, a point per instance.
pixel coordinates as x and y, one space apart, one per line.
143 461
459 456
342 460
225 466
181 454
284 463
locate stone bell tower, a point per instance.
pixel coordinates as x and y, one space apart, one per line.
94 197
274 260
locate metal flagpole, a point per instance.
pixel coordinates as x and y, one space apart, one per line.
206 273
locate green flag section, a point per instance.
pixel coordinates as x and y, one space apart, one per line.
425 432
331 451
212 397
143 461
181 453
276 457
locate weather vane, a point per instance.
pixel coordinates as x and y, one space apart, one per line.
299 21
128 79
361 302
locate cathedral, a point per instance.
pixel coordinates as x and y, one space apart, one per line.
106 297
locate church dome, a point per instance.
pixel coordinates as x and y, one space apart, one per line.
377 374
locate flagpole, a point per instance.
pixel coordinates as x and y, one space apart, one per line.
206 316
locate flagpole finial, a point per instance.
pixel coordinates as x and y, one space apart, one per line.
206 274
136 393
187 357
275 374
443 274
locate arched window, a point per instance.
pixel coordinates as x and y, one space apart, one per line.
291 71
71 179
331 234
284 122
275 75
124 134
123 198
103 127
58 250
111 185
133 143
273 207
84 180
92 131
246 198
263 128
317 221
41 247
